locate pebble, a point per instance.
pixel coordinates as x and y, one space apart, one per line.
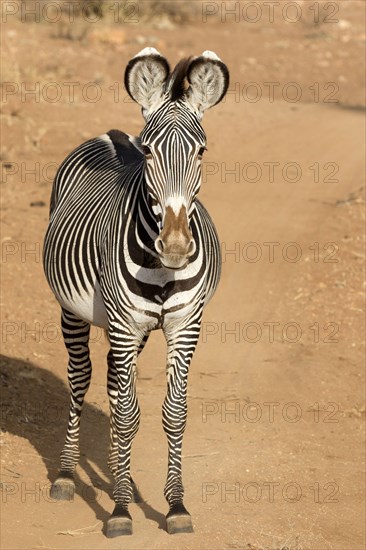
164 24
323 63
343 24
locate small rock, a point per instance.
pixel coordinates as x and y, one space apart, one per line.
340 284
37 203
114 36
343 24
164 24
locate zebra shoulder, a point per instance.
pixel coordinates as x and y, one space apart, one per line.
126 147
91 154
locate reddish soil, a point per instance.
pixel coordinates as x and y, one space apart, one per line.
274 447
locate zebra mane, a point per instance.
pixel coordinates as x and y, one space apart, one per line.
176 83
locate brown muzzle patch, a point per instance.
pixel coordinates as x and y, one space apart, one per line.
175 243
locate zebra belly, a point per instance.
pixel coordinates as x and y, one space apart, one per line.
88 306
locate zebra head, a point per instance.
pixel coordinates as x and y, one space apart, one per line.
173 140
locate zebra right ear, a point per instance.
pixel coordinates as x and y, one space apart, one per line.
145 77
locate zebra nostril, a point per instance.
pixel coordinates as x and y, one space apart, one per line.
191 248
159 245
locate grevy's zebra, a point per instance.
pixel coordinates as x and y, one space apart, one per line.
130 248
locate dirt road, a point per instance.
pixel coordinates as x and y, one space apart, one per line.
274 445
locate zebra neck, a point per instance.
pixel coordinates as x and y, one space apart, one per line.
141 229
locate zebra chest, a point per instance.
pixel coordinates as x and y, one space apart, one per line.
146 294
153 300
175 301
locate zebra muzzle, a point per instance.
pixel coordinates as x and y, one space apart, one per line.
174 256
175 244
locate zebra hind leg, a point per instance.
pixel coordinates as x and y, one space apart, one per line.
112 389
76 337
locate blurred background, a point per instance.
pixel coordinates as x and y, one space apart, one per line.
274 441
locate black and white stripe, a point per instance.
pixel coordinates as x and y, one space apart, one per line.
108 208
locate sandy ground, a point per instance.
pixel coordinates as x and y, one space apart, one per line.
274 447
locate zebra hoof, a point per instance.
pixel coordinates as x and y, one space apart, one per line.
63 489
178 520
119 524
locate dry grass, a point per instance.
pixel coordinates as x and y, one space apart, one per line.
75 20
177 11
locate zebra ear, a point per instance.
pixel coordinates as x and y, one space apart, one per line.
145 76
208 77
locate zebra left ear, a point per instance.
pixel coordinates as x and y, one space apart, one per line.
208 77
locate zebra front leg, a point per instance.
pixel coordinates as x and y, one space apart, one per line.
124 425
113 446
112 394
181 346
76 337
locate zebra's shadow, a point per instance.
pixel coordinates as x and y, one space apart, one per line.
35 407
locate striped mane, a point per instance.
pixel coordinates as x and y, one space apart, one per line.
177 82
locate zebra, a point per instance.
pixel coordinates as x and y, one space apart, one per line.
131 249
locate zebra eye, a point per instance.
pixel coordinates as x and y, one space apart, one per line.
147 151
201 151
